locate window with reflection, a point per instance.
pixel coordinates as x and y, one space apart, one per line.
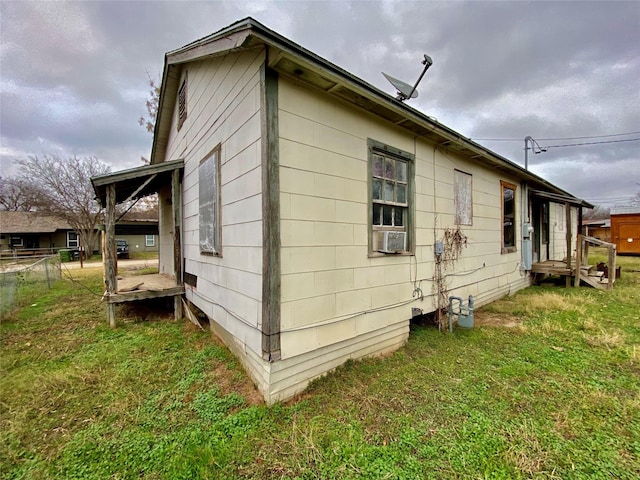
390 187
508 217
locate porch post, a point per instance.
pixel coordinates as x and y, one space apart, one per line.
576 282
567 209
110 248
176 200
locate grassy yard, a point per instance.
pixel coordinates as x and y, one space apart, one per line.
546 386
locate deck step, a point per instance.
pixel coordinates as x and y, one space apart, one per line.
599 281
586 269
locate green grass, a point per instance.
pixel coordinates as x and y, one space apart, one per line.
554 395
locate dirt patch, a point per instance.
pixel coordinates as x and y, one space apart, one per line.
492 319
232 381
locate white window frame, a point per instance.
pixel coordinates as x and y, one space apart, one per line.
19 243
210 218
73 243
149 240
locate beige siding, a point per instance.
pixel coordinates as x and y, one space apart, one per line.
334 296
223 107
558 231
165 231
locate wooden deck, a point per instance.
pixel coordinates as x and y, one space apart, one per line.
588 273
553 267
140 287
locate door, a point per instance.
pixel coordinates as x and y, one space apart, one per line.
628 238
540 223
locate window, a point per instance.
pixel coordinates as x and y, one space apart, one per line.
508 217
462 198
544 223
182 102
72 240
209 200
391 217
17 242
149 240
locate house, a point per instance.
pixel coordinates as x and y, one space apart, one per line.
307 213
29 233
140 235
600 229
625 230
33 232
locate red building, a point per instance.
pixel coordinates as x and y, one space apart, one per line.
625 230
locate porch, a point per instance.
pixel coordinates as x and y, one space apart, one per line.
129 186
577 269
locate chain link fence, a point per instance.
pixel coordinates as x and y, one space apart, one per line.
18 281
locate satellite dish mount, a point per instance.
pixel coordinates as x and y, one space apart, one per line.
406 91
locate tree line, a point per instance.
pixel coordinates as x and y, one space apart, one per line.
61 187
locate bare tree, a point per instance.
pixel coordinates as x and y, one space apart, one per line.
145 208
152 103
63 188
16 195
597 213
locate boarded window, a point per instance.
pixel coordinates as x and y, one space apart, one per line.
182 102
463 198
508 217
209 201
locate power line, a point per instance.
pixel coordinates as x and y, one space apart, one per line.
591 143
557 139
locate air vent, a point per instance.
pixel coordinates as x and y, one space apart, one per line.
392 242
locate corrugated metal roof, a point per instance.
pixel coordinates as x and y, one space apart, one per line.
625 210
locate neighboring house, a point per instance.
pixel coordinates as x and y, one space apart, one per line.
303 208
31 232
625 230
600 229
140 235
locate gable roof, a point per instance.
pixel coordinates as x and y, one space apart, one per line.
289 58
30 222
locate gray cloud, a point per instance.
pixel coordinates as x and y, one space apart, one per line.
74 73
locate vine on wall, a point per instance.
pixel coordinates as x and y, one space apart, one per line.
453 241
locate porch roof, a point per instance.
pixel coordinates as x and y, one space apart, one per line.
136 182
558 198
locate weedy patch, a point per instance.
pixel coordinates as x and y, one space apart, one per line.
550 391
606 339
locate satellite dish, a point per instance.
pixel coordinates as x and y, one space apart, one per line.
406 91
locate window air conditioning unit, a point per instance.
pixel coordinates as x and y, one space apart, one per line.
392 242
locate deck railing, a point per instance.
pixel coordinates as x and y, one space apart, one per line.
582 257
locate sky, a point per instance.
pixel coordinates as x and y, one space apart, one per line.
74 75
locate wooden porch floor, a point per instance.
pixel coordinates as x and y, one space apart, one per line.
553 267
140 287
588 274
